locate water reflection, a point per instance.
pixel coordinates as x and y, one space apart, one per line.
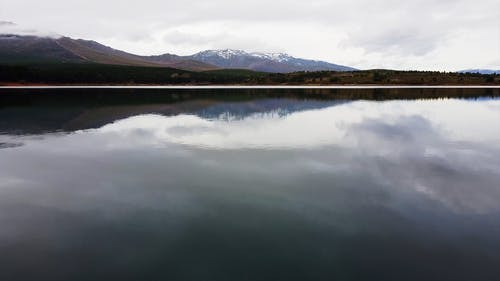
345 125
9 145
357 190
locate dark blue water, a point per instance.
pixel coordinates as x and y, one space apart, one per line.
252 187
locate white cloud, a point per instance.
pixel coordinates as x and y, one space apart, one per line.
7 27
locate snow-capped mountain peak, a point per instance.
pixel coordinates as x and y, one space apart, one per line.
279 57
223 53
260 61
231 53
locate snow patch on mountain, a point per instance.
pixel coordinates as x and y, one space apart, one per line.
260 61
226 53
231 53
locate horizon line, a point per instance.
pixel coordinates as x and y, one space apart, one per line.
257 87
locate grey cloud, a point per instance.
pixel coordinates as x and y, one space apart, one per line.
6 23
400 41
218 40
181 38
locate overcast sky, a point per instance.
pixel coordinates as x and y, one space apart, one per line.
418 34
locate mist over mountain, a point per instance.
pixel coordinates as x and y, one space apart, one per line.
9 27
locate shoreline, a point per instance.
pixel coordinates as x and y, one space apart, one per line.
249 87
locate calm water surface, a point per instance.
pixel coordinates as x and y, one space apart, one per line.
249 186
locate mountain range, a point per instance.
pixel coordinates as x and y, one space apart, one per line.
481 71
15 49
265 62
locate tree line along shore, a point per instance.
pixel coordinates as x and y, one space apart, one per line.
102 74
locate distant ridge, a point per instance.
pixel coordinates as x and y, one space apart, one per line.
481 71
35 49
265 62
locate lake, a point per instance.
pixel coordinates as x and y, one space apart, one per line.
250 184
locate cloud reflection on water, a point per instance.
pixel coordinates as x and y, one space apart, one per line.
452 120
440 148
396 176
